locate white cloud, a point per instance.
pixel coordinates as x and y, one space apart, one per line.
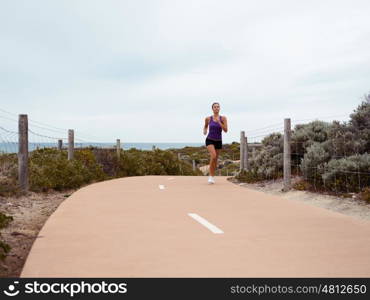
91 64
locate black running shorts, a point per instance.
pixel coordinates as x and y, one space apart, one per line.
218 144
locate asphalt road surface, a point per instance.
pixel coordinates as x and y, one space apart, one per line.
180 226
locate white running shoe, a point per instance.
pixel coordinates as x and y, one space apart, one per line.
211 180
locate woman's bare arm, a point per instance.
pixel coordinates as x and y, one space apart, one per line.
223 123
206 121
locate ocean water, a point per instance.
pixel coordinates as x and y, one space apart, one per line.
12 147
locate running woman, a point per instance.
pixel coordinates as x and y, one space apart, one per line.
216 124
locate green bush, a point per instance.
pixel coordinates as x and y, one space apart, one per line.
8 175
131 163
302 185
347 174
268 161
136 162
335 156
248 176
50 169
108 160
9 187
162 162
304 136
360 124
8 165
365 194
316 155
315 131
332 156
4 247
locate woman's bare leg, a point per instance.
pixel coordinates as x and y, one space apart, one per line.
212 163
216 160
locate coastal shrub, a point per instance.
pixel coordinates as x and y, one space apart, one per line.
314 131
267 161
229 169
348 174
137 162
4 247
161 162
316 155
302 185
304 135
8 175
131 163
360 124
9 187
49 168
8 165
365 194
343 141
168 163
330 155
248 176
107 159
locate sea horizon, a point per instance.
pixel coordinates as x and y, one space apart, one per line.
12 147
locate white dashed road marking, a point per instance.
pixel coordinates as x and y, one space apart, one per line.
205 223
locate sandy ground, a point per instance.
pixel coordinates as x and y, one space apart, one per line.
348 206
30 213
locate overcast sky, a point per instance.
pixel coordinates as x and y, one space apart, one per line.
148 71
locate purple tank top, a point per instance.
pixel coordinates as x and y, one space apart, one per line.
215 130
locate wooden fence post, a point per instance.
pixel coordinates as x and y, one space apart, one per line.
193 165
179 158
245 154
287 154
23 152
70 143
242 143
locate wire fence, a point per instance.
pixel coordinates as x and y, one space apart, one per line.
22 136
42 135
329 156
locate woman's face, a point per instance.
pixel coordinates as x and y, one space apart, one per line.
216 108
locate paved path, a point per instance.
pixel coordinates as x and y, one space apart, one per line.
179 226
